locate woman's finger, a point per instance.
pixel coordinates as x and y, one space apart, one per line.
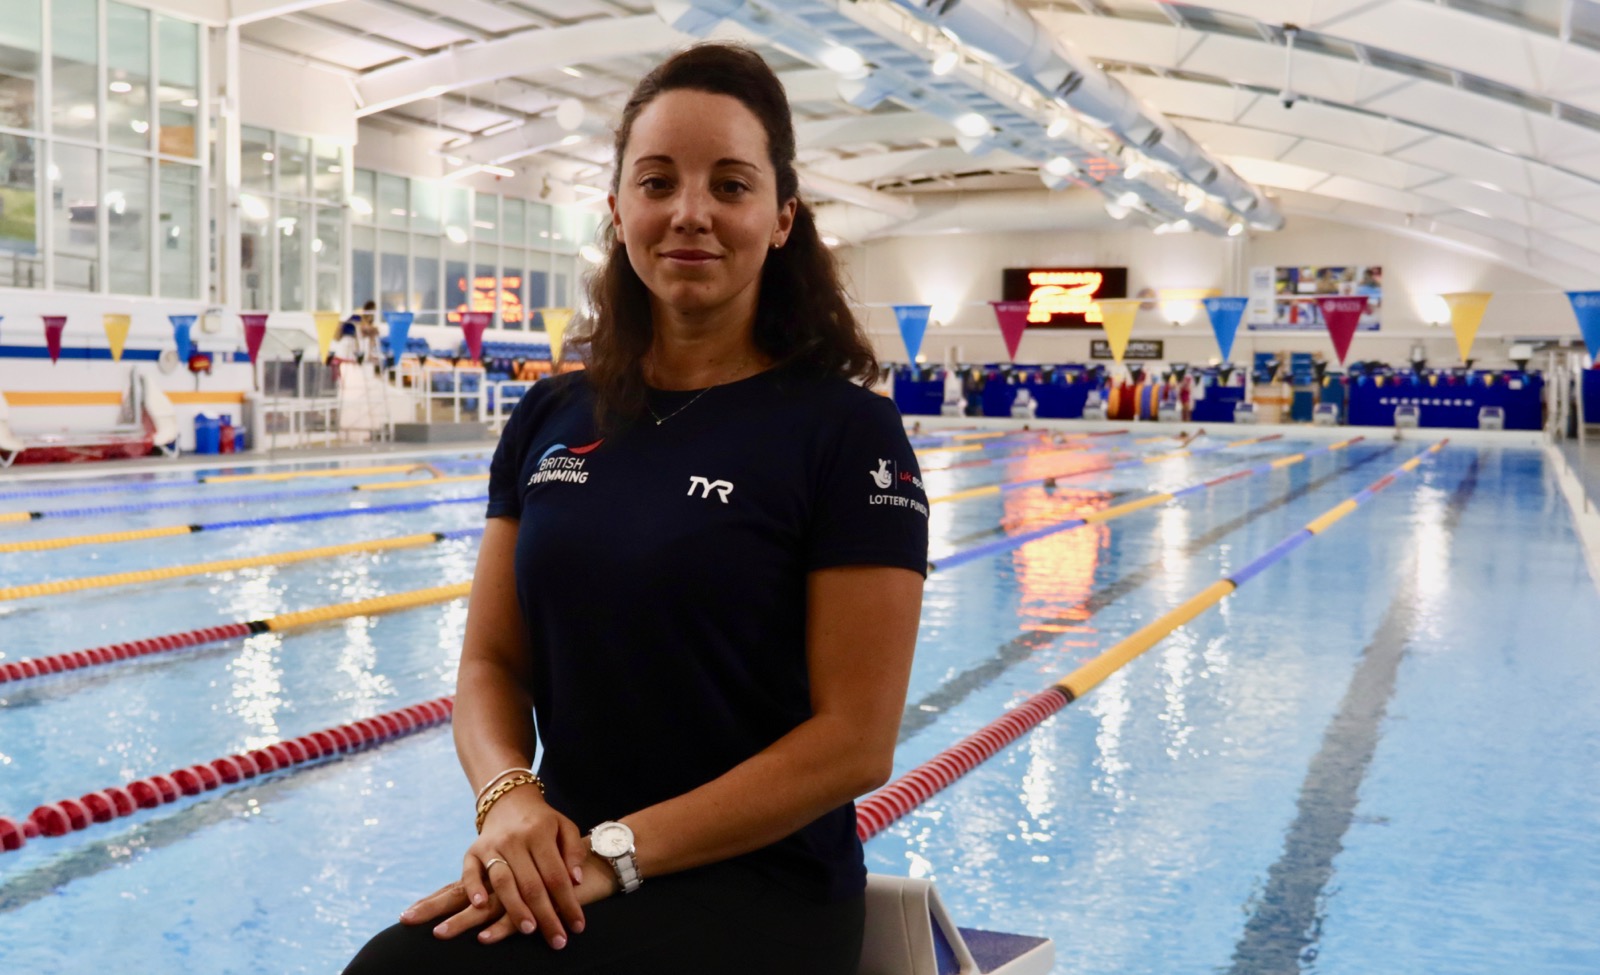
503 878
576 850
446 900
472 871
532 877
498 931
466 919
557 876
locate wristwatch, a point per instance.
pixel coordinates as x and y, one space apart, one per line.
614 842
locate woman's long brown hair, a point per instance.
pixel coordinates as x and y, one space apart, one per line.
803 318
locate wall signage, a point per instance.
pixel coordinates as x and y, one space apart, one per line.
1064 297
1145 349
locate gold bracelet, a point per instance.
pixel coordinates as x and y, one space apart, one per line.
525 778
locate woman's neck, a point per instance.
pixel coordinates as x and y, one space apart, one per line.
693 354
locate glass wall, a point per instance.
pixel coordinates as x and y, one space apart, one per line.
438 250
291 205
99 173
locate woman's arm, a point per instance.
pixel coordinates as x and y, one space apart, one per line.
861 626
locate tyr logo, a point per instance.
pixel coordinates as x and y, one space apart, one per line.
705 486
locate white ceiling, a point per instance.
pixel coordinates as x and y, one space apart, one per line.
1476 121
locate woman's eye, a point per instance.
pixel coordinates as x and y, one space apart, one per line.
731 187
653 184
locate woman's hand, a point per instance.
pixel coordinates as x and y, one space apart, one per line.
527 872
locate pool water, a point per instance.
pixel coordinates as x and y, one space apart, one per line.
1376 756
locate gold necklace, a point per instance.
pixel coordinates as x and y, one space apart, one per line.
662 419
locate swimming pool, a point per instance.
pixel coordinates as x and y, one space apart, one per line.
1375 757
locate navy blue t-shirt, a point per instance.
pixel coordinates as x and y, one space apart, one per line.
662 572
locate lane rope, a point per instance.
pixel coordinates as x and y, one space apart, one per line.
1126 508
320 472
60 586
31 667
878 811
103 805
990 490
141 534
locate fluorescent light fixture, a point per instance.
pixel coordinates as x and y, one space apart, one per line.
829 240
253 207
268 157
397 211
1180 311
844 60
1129 199
946 63
569 70
361 205
316 244
1060 166
190 103
1057 127
456 234
1435 310
972 125
483 224
1134 170
586 188
592 254
499 171
458 142
1236 229
139 125
463 171
1195 203
499 127
1162 230
120 87
571 140
1116 211
1182 226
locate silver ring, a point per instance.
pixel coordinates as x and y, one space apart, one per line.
491 863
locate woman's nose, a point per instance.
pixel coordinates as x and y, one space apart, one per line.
692 211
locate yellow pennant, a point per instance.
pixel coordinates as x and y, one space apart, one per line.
1466 314
555 326
1118 315
116 333
327 331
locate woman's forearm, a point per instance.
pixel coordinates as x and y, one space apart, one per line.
493 721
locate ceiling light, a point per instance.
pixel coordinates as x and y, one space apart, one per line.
972 125
1116 211
316 245
500 127
361 205
499 171
456 234
844 60
1057 128
1129 199
1236 229
1162 229
829 240
586 188
398 212
592 254
120 87
139 125
190 103
1060 166
335 169
946 63
574 72
463 171
267 157
1195 203
253 207
1182 227
571 140
1134 170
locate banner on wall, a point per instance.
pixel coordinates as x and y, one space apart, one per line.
53 327
1225 315
399 323
1290 302
1118 316
1586 304
913 321
473 324
1063 297
1141 350
327 330
1342 316
116 327
181 326
1466 314
555 329
1013 319
255 329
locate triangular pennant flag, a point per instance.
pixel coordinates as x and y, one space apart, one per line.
1342 315
1587 306
1118 315
1013 319
1225 316
116 327
473 324
327 331
1466 314
181 324
399 331
255 329
555 328
53 326
913 321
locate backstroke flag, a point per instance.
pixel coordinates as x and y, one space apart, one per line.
327 330
1587 306
473 324
1225 315
53 327
555 329
116 327
1013 319
1342 314
1466 314
399 331
255 329
181 324
913 321
1118 315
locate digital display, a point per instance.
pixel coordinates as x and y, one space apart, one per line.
1064 297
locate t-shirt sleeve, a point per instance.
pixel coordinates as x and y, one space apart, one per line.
505 469
870 506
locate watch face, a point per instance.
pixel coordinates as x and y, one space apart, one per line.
611 839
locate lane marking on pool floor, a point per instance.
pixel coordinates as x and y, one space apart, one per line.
925 711
1285 923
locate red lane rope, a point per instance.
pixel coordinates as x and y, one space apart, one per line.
103 805
877 811
77 659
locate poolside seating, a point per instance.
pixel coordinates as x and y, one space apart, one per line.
910 932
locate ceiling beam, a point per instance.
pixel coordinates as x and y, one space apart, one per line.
250 11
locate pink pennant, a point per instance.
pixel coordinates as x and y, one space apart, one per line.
1013 319
472 325
1342 315
255 329
53 327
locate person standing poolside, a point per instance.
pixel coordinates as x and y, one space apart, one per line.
702 571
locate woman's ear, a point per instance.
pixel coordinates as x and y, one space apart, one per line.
616 218
780 233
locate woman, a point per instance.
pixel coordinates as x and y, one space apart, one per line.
702 571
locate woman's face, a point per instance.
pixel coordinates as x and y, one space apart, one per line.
696 204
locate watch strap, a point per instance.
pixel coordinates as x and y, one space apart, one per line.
626 868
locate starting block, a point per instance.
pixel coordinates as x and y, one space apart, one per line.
1094 408
910 932
1245 413
1325 415
1407 415
1492 418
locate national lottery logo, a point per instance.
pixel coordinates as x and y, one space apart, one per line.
564 464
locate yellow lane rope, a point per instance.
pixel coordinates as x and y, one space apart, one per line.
367 607
330 472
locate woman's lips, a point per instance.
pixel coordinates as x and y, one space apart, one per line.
693 258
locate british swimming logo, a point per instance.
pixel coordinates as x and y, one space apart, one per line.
564 464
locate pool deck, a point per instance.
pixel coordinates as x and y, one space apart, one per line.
1577 466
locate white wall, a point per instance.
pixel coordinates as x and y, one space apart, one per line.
282 94
959 273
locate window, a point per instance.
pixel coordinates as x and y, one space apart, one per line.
392 262
327 250
21 39
21 265
127 210
75 89
178 242
425 279
128 113
294 252
363 266
74 177
178 106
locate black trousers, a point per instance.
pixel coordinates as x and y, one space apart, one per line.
720 920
